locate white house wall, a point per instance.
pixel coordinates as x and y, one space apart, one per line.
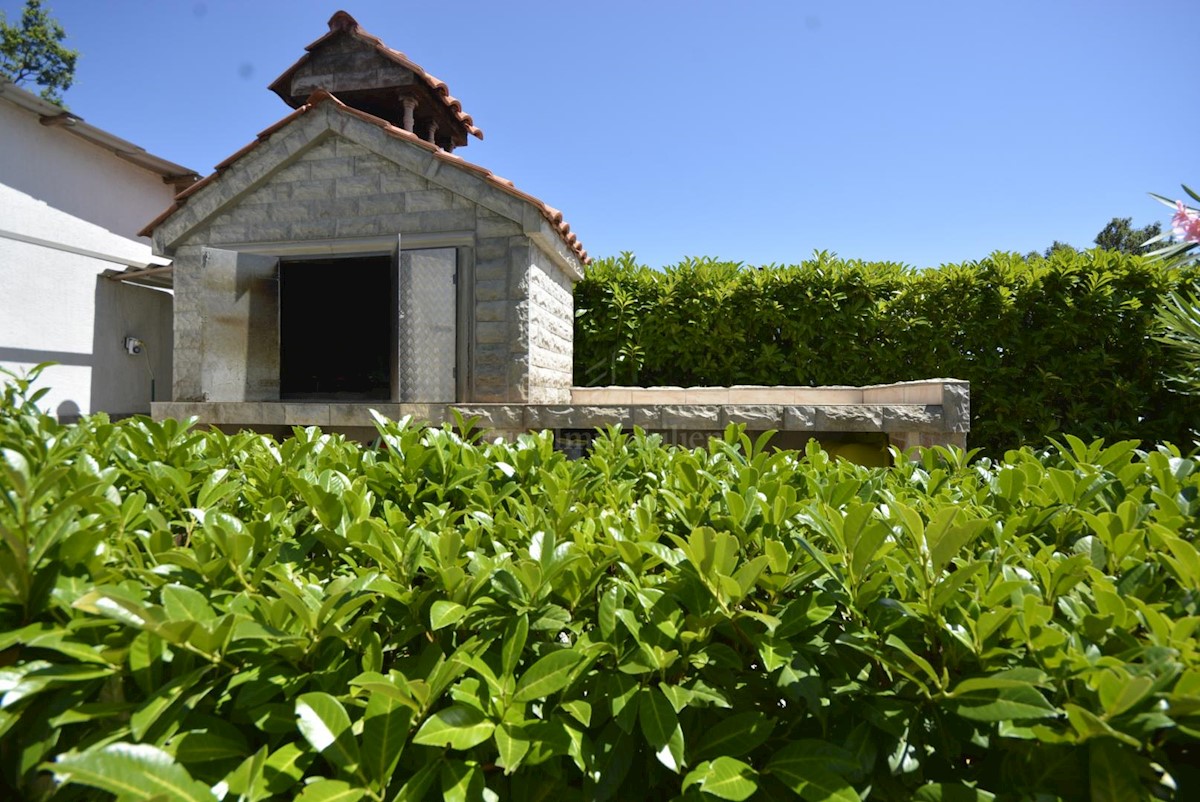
77 177
56 307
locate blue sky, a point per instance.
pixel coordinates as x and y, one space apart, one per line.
921 132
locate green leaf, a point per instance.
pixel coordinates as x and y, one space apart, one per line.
548 675
944 792
1007 703
816 770
325 724
724 778
515 634
461 781
445 613
735 735
1112 773
660 726
457 727
385 731
512 746
324 790
132 772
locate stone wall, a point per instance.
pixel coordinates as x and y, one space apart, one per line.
551 332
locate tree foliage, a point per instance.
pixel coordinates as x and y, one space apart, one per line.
32 52
1120 235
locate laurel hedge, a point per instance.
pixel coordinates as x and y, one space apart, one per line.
1050 345
193 616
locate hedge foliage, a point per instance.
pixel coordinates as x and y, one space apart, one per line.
1049 345
189 615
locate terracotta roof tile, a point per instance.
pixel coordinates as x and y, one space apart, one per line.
341 21
552 215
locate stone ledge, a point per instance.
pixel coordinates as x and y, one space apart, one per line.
940 422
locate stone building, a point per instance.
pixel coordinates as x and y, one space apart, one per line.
349 259
348 254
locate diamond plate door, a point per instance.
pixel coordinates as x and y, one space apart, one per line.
428 325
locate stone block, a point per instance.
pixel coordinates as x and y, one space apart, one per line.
691 416
288 211
574 417
850 418
490 290
918 392
492 416
333 168
429 200
313 229
300 414
309 190
757 417
647 417
601 395
359 227
491 332
492 225
656 395
706 395
351 414
398 181
912 418
800 418
385 203
435 222
956 405
488 248
827 395
268 232
492 310
758 394
427 414
492 270
354 186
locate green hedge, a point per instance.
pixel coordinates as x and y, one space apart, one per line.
1049 345
187 615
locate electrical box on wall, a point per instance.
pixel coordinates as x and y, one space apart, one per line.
134 346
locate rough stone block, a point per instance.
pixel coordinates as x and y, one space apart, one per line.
956 406
850 418
492 416
491 248
268 232
572 417
758 417
691 416
801 418
912 418
435 222
350 414
647 417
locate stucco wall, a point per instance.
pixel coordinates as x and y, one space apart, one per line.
76 177
56 307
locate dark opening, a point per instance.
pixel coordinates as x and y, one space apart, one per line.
335 329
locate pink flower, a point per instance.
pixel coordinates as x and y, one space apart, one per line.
1185 225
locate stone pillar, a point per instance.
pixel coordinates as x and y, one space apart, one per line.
432 137
410 110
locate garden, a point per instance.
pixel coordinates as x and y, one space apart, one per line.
192 615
